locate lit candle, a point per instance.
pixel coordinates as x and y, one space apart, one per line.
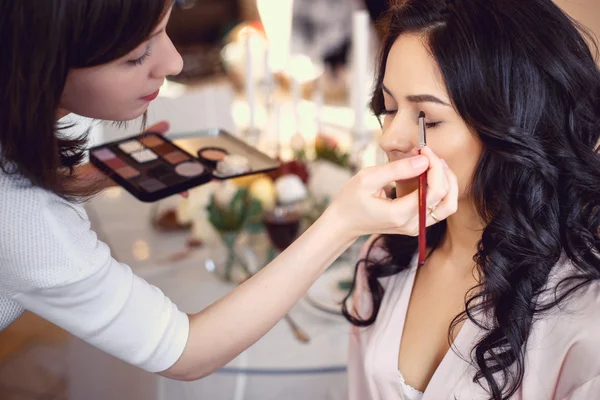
318 100
267 82
268 78
278 130
296 95
276 17
250 90
360 44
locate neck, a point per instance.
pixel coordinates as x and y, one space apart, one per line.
61 113
464 230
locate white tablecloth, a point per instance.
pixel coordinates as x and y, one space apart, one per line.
276 367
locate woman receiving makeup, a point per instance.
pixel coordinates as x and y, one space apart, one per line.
507 302
106 59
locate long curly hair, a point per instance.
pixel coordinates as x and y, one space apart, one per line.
522 76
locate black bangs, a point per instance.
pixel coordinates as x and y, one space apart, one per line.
105 30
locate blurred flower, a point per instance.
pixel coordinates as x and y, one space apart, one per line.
230 214
246 180
295 167
297 143
327 179
290 189
263 190
323 141
327 148
224 194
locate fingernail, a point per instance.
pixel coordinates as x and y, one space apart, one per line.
419 162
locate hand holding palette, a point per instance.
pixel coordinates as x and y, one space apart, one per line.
151 167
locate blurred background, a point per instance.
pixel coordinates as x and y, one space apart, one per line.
293 78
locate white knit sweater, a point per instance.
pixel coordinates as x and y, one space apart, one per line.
52 264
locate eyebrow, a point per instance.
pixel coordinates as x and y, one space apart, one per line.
419 98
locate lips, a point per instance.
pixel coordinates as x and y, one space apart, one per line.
152 96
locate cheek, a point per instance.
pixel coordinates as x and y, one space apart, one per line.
103 96
462 155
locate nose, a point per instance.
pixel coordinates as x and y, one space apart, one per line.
170 64
399 136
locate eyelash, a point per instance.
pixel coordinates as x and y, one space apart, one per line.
141 60
428 125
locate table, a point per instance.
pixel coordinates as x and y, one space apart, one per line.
276 367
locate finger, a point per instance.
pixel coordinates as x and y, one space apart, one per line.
449 204
160 127
402 214
377 177
405 210
437 183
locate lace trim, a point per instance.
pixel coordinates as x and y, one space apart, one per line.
406 385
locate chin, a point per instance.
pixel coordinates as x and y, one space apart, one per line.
116 115
129 116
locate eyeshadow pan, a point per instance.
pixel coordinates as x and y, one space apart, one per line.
213 154
127 172
189 169
176 157
131 146
163 149
152 185
161 172
152 141
104 154
166 174
144 156
115 163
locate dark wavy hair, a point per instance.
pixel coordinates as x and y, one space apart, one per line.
40 42
522 76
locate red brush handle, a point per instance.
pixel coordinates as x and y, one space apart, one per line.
422 216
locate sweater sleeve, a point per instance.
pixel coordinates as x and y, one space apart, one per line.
52 264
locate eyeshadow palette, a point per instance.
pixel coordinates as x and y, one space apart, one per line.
149 166
226 155
152 167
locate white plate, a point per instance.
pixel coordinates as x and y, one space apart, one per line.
325 294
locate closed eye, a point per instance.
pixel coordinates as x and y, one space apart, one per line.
140 61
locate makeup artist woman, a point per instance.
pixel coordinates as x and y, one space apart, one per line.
99 59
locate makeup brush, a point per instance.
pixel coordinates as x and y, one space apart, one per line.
422 195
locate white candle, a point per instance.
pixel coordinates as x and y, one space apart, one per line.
318 100
267 82
268 78
278 129
250 90
360 59
276 17
296 95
